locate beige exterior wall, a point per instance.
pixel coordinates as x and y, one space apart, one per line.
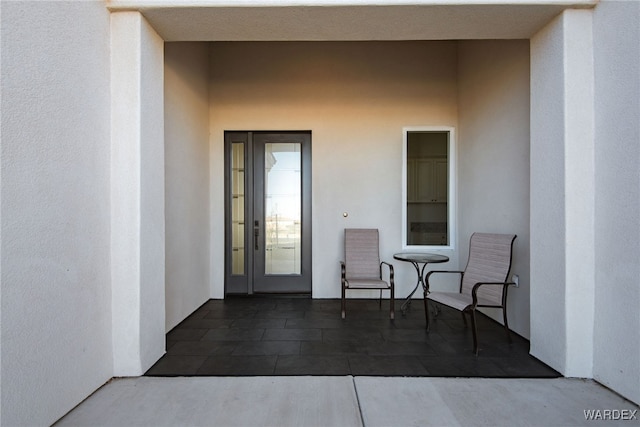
137 194
186 107
55 283
493 151
616 358
562 194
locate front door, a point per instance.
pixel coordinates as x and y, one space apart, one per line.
268 212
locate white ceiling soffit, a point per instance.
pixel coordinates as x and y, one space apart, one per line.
327 20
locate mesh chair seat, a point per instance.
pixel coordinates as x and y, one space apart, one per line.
456 300
366 284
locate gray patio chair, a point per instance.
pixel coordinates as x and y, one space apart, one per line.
483 283
361 268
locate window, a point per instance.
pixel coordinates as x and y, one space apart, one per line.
428 187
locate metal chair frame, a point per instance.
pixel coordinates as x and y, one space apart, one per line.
470 309
371 281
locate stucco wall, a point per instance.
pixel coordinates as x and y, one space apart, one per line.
186 89
493 153
585 107
355 98
56 295
137 194
548 273
616 361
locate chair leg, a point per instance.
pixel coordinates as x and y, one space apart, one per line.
475 331
506 323
380 300
344 303
436 310
426 311
392 309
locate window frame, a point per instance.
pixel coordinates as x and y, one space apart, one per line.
451 190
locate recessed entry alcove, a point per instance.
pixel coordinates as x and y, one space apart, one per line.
354 88
355 99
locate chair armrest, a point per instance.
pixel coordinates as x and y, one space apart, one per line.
475 288
343 270
390 271
426 280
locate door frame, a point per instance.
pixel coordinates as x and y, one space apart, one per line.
244 285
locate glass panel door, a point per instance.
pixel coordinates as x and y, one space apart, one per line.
283 207
268 213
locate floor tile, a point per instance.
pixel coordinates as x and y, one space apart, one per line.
200 348
206 323
176 365
331 348
277 314
404 335
238 365
315 323
322 314
354 335
399 349
231 313
240 334
257 323
292 335
298 336
182 334
312 365
526 368
266 348
386 366
463 367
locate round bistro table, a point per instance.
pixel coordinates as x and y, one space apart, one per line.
419 260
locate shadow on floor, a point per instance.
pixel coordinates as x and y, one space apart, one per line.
259 336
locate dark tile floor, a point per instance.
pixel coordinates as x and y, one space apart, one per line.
301 336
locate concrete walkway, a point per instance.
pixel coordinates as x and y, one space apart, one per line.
350 401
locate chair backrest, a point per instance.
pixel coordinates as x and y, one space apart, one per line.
361 252
489 261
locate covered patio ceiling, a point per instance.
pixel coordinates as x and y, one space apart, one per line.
326 20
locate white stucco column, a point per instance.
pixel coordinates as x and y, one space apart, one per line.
137 194
616 359
562 194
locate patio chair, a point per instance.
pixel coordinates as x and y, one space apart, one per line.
482 284
361 268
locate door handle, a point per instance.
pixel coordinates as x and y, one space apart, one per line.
256 233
